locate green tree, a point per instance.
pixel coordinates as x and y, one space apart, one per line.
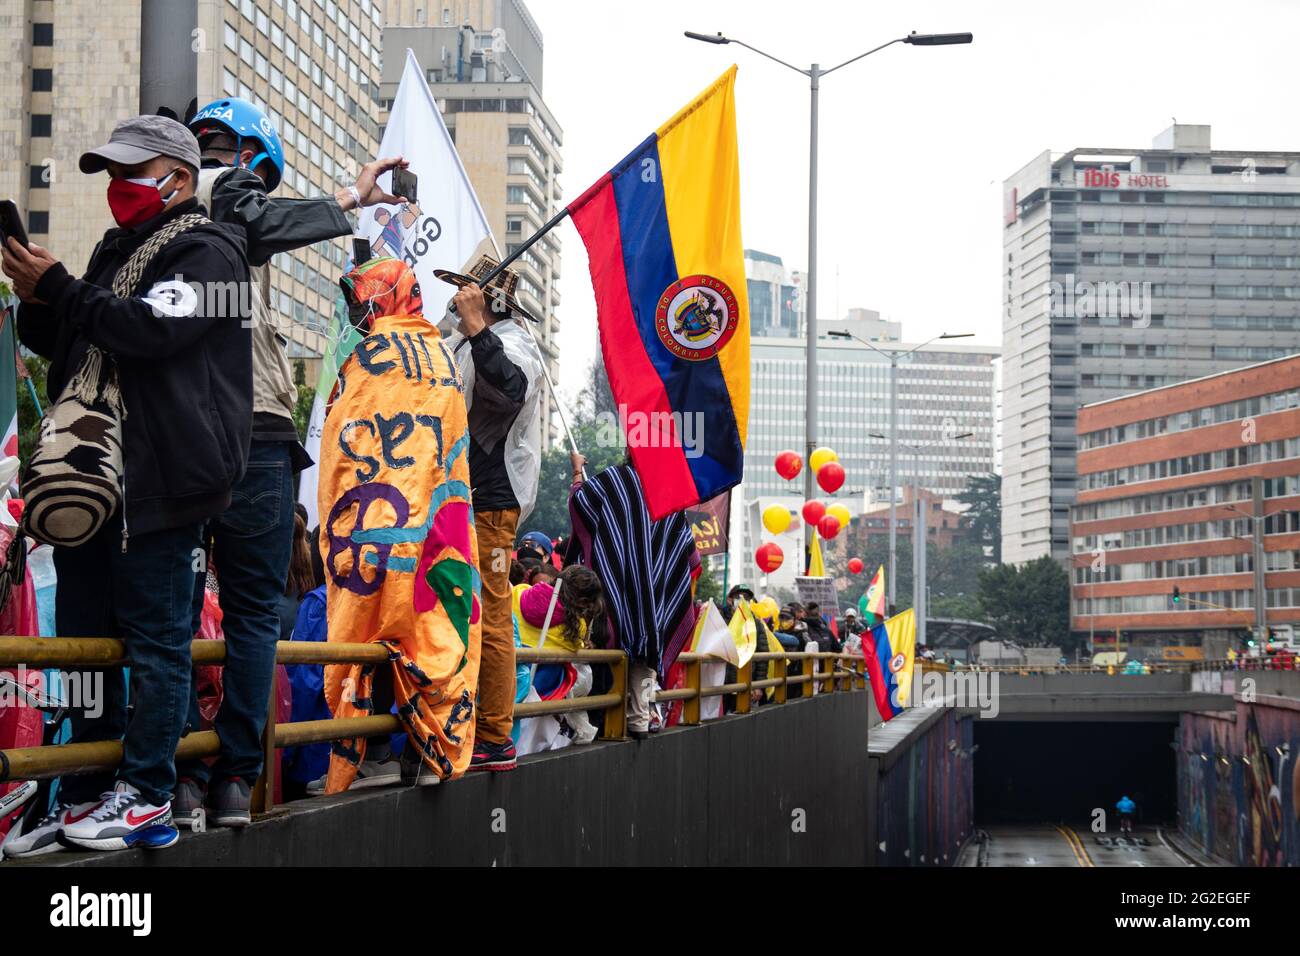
708 587
306 399
29 419
595 430
1029 604
983 516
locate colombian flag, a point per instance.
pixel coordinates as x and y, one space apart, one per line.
890 650
873 602
662 231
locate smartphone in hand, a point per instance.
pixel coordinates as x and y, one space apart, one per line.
405 184
11 223
360 250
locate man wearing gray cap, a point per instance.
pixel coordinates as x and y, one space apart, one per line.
154 310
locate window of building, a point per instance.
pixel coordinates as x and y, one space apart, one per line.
42 34
42 81
41 124
38 222
37 178
229 85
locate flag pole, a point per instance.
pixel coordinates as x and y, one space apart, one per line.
523 246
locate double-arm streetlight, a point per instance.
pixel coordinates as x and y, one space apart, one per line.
814 74
893 355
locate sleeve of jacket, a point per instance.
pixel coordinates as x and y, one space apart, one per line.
274 225
154 325
493 366
38 328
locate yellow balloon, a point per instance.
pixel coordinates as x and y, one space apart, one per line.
820 457
776 518
766 608
840 512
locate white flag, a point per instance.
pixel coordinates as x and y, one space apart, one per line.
441 231
445 227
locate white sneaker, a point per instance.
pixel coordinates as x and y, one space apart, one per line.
122 819
44 836
584 731
371 773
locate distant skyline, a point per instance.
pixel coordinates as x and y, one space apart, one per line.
915 142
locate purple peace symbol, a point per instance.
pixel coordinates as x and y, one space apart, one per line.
363 496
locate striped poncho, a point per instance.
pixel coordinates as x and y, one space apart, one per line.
647 567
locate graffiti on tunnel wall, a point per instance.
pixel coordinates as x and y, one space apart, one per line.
924 802
1238 782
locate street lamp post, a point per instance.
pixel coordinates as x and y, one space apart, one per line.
920 592
814 74
1257 518
893 355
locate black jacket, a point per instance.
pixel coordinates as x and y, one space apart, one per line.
271 226
274 224
500 388
187 379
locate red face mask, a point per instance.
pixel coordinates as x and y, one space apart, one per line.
133 201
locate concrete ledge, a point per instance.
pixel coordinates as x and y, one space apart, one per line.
724 793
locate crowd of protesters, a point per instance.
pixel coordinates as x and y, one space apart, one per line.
176 436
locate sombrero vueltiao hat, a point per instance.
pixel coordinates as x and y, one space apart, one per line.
500 292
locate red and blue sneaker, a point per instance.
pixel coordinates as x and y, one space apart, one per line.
123 819
492 756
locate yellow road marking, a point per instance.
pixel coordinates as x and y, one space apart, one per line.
1076 846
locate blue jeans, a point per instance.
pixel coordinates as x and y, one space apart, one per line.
251 546
142 596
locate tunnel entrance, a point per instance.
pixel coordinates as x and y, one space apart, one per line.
1049 771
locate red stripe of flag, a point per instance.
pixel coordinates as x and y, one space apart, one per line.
632 375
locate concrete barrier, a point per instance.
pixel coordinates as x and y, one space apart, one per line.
784 785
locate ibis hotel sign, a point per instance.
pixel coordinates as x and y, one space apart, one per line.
1107 177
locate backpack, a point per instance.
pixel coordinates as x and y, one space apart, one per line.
74 480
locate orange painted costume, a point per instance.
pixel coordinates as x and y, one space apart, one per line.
397 528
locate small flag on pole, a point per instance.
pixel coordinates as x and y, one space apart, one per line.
890 651
873 602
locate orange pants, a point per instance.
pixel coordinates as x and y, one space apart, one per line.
496 676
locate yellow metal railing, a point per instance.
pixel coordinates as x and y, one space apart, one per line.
827 672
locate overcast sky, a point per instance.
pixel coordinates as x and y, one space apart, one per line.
915 141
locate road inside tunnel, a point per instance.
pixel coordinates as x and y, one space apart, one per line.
1050 771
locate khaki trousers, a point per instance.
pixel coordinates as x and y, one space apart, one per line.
496 676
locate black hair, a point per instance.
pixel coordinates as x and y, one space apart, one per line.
583 598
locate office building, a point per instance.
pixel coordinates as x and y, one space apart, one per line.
1128 269
483 61
776 296
945 389
312 65
1196 487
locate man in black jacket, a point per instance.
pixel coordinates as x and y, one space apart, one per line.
250 543
502 376
182 349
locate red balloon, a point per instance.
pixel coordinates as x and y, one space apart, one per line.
855 565
788 464
769 556
828 527
812 511
830 476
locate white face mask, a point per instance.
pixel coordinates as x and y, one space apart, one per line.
157 184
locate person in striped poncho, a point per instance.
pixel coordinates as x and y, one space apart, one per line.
648 569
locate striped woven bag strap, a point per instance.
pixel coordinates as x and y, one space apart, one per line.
128 276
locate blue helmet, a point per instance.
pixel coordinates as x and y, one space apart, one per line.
244 121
